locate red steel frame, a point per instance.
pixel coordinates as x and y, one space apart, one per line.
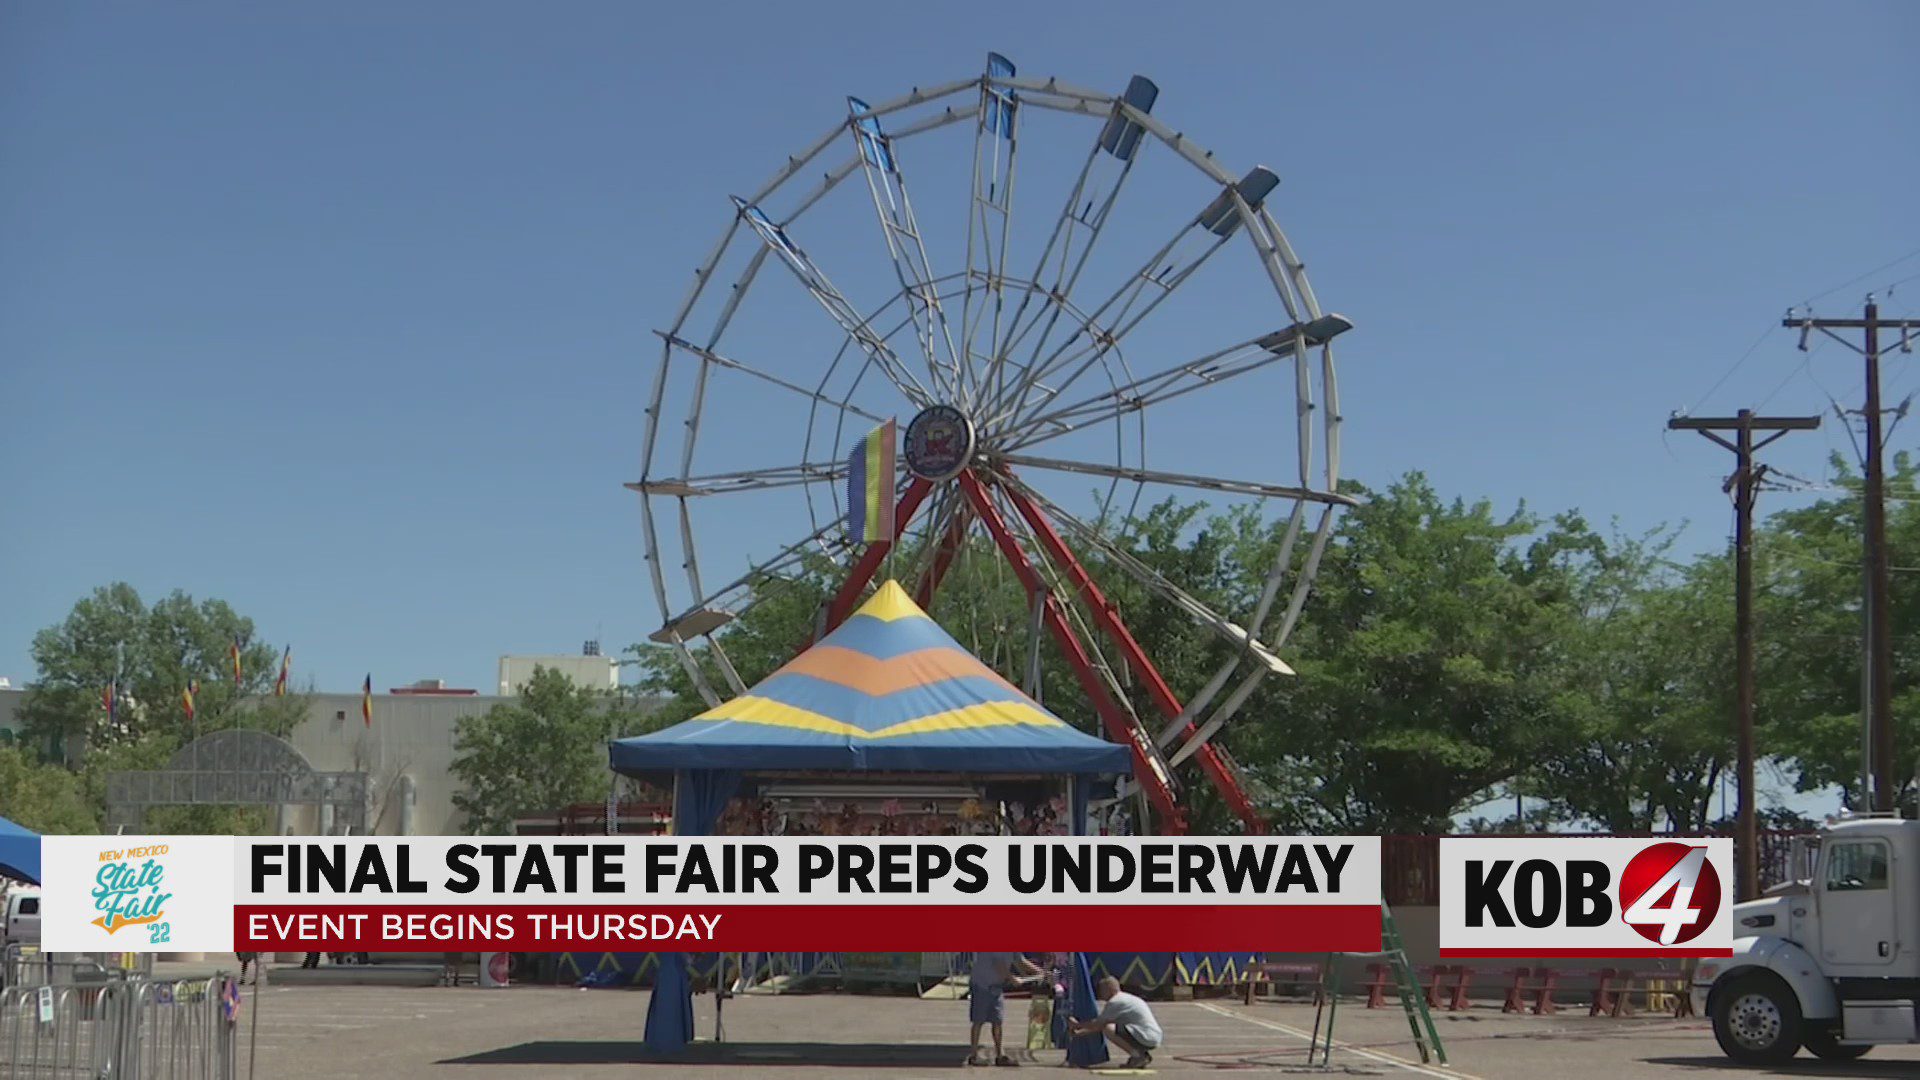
942 558
1107 617
1119 723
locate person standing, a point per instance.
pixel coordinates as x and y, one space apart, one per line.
1126 1022
987 1000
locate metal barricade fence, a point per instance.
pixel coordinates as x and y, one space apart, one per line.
128 1029
26 965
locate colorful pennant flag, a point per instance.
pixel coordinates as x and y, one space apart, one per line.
286 665
233 651
870 475
366 702
110 699
186 698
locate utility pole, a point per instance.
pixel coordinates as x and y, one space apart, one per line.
1878 651
1744 483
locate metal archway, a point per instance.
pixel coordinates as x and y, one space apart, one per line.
237 767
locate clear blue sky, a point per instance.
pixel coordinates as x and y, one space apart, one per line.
342 312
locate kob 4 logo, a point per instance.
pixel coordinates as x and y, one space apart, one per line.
1575 896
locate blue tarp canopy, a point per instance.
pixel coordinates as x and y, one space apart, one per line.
19 852
888 691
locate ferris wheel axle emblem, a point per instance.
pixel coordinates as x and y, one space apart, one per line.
940 443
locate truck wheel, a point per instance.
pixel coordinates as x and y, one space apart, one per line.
1756 1020
1824 1043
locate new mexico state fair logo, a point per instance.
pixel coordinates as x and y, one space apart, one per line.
127 891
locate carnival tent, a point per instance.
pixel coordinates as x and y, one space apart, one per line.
19 852
887 691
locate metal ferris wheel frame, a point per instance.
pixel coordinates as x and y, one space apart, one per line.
1010 364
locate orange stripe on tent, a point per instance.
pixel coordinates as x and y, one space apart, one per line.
908 671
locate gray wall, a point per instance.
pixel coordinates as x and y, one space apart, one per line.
410 741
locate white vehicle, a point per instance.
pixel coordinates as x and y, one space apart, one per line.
22 925
1832 963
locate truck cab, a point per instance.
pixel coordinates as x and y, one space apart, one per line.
20 924
1830 963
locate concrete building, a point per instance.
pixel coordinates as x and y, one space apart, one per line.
588 669
406 751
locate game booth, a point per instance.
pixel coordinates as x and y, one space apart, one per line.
885 726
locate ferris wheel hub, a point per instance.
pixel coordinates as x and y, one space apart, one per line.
940 443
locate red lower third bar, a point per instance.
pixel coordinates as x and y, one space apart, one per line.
812 928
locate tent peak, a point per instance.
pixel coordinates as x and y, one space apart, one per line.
890 602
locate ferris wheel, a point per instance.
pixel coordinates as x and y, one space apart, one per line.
1027 364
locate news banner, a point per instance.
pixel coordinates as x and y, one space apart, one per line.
1504 896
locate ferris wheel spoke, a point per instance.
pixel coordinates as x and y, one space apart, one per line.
741 480
1209 370
879 157
833 302
1204 483
1157 280
719 360
1084 216
996 144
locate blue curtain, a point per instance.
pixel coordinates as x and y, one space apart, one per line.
699 797
1085 1051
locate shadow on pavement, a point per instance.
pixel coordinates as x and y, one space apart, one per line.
836 1055
1800 1066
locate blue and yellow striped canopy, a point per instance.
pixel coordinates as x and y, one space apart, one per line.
887 691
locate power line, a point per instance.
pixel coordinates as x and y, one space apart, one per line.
1857 280
1744 357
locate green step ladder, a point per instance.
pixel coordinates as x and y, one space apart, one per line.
1413 999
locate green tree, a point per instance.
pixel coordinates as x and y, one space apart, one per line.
44 798
543 751
154 651
150 653
1810 632
1647 704
1429 662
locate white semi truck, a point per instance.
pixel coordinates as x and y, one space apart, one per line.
1830 963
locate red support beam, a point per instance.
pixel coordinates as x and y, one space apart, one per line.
1119 724
869 562
942 558
1107 617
